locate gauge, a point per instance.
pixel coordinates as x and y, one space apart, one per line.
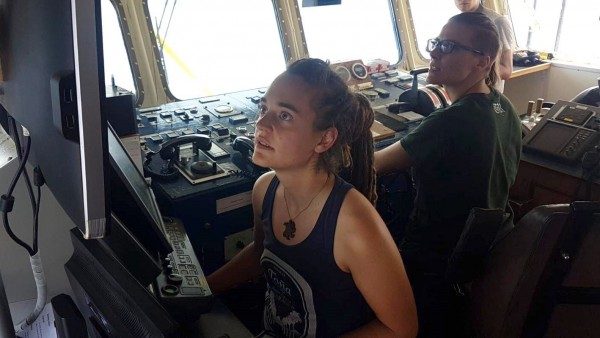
343 73
359 70
224 109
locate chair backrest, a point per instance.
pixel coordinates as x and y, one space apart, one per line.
508 296
467 260
589 96
577 313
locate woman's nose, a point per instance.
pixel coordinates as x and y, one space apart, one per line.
263 120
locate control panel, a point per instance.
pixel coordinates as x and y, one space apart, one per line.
182 288
211 190
565 133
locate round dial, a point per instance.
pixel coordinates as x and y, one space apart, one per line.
343 73
224 109
359 70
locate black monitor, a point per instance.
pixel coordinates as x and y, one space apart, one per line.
133 202
119 281
119 271
53 86
111 277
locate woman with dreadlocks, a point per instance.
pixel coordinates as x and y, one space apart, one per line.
330 263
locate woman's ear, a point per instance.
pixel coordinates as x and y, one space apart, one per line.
485 62
327 140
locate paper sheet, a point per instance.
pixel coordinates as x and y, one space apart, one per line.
43 327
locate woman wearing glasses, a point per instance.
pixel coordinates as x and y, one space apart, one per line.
462 156
505 33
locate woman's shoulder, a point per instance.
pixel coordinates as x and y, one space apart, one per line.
464 104
357 214
261 185
359 228
264 179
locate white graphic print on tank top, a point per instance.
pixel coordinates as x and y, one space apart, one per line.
289 308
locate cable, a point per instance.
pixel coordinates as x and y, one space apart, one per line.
40 283
20 155
7 200
35 220
6 205
38 181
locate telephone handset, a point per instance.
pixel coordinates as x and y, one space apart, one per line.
246 146
169 153
171 147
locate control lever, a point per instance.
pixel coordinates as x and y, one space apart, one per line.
412 95
409 99
423 100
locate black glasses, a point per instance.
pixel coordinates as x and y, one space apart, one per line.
447 46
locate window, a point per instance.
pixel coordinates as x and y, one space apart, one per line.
568 28
355 29
116 63
428 23
213 47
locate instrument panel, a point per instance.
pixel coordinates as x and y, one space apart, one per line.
211 191
566 132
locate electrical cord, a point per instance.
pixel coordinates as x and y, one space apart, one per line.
7 200
6 205
40 283
17 141
35 219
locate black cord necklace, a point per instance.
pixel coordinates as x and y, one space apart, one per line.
289 227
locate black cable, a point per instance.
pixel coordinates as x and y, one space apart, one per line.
5 213
35 220
8 197
17 141
38 180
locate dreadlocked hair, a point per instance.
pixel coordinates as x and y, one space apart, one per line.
351 114
485 39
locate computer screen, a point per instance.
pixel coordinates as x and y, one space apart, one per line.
116 279
110 277
53 89
132 199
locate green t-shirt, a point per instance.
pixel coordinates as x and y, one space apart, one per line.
464 156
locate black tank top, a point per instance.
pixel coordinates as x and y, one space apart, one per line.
307 293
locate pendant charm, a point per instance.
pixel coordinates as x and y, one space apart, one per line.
290 229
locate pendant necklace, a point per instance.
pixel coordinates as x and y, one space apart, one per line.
289 227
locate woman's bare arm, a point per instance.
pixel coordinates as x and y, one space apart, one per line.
364 247
246 264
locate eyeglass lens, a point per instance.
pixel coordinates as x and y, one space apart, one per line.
445 46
